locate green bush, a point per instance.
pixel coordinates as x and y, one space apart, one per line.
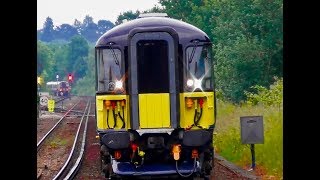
271 96
227 141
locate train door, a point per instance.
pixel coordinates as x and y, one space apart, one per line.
153 80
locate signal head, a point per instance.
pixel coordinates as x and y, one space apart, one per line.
70 78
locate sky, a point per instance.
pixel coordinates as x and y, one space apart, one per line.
66 11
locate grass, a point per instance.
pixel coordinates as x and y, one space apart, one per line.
227 141
54 143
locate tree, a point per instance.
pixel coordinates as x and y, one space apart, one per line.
128 15
78 51
44 60
77 25
104 26
199 13
155 9
249 45
48 31
65 31
86 85
247 35
61 59
89 29
177 9
239 67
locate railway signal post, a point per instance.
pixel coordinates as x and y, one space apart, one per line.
252 133
39 82
70 78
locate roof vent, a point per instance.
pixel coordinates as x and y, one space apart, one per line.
153 15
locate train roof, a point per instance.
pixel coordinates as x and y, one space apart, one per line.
119 34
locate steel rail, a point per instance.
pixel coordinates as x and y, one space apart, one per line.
76 166
73 146
45 136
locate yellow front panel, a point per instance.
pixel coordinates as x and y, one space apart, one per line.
187 113
101 112
154 110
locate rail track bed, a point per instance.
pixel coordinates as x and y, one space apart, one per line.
58 150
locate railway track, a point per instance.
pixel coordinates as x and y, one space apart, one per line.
60 151
86 149
54 127
60 99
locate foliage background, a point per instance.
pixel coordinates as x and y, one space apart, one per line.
247 37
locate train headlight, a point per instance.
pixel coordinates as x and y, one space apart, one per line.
118 85
197 83
189 82
193 84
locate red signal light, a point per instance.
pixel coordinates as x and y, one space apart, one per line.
70 78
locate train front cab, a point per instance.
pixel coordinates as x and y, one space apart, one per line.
155 105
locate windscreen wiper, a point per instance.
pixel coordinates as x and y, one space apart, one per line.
114 54
195 43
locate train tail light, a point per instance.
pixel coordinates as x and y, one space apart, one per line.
117 154
201 102
107 103
189 102
134 147
113 104
176 151
195 153
123 103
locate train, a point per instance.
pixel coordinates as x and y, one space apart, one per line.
58 88
155 99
